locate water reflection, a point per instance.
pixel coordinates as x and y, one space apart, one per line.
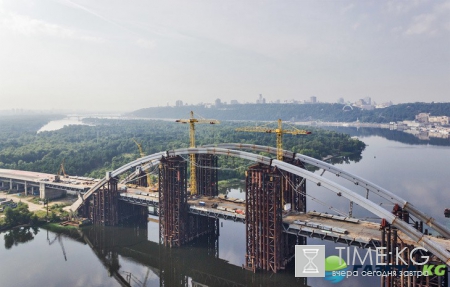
197 264
19 235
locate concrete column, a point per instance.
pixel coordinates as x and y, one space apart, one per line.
10 183
26 188
42 190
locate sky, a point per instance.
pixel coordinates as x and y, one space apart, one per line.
111 55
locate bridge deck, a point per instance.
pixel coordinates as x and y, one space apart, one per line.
73 183
350 231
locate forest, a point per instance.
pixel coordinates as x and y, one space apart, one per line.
106 144
300 112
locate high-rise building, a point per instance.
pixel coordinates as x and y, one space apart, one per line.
313 100
179 103
261 100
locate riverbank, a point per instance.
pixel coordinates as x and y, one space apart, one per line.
28 213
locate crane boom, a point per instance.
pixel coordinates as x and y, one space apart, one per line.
279 131
192 121
140 148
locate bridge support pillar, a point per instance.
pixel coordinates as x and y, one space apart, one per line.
42 190
264 239
26 188
173 207
102 208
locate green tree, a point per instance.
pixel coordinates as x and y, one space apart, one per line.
18 215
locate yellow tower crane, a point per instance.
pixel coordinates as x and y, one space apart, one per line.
192 121
279 131
149 179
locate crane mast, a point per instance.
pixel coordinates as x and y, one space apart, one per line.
149 179
192 121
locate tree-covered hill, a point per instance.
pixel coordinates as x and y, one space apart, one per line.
298 112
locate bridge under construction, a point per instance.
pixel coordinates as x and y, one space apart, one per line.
274 210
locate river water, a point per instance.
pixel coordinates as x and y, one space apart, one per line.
59 124
106 256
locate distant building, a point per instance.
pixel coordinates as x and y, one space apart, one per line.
443 120
360 103
234 102
261 100
313 100
384 105
367 107
218 102
341 101
367 100
179 103
412 124
422 118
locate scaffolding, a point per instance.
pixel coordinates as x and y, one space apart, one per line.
294 187
207 175
264 219
392 242
142 179
173 207
103 205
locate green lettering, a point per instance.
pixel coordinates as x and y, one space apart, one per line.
440 270
427 270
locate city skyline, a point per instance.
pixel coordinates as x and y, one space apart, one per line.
86 55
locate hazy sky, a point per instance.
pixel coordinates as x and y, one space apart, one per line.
126 55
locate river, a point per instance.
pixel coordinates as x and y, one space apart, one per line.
59 124
104 256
